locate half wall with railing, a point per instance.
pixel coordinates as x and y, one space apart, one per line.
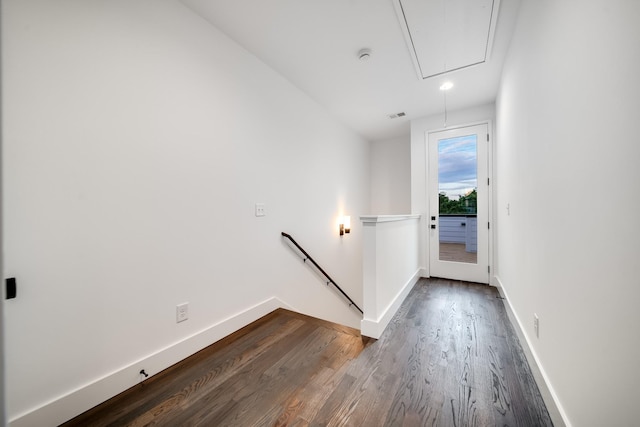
329 281
390 267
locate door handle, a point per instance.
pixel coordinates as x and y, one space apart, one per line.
433 226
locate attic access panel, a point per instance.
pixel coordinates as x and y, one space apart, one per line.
447 35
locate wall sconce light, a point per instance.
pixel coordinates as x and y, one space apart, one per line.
345 225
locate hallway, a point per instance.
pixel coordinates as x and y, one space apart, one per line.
449 357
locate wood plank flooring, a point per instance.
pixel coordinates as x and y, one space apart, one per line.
457 252
449 357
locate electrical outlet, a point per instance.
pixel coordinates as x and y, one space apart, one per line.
182 312
536 325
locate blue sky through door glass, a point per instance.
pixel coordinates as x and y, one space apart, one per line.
457 166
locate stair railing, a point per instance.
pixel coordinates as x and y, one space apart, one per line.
328 278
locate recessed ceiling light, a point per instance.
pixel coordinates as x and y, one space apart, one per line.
446 86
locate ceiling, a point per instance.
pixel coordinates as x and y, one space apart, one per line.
315 43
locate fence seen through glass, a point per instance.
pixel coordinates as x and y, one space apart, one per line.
457 188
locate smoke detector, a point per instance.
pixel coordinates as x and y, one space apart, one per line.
364 54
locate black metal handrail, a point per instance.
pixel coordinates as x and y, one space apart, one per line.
330 280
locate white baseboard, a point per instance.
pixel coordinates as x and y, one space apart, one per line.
373 328
78 401
550 397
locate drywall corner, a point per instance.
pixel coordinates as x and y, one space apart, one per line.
373 328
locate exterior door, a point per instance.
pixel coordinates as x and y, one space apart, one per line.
459 204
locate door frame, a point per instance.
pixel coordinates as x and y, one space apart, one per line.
426 238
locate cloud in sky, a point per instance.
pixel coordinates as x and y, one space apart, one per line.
457 165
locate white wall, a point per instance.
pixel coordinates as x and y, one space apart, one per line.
419 130
137 139
3 417
390 267
567 165
391 176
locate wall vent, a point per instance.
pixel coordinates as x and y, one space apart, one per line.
395 116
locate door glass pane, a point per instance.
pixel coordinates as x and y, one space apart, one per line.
457 188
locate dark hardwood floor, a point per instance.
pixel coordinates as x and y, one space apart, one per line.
450 357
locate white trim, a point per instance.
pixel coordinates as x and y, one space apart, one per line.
490 200
407 38
397 5
387 218
495 13
374 328
86 397
488 122
538 372
463 271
